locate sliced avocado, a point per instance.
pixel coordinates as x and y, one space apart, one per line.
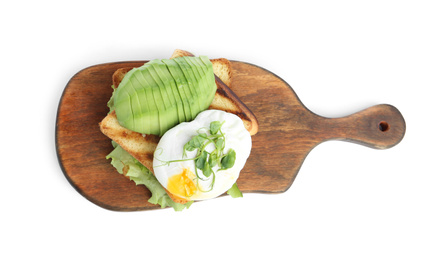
158 99
198 86
195 76
172 93
137 105
151 111
153 97
131 102
123 108
166 112
196 65
159 94
210 77
134 104
198 73
168 116
181 85
192 83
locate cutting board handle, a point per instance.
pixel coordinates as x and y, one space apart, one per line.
381 126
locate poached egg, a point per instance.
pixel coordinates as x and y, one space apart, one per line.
176 171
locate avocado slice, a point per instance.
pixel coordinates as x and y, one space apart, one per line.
150 110
173 94
123 108
192 83
196 65
197 72
156 96
207 67
139 104
134 95
167 112
157 101
195 80
181 85
166 81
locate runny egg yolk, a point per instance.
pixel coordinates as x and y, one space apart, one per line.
181 184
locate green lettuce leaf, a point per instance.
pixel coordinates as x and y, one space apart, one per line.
142 176
234 191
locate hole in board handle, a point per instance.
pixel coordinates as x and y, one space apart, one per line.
384 126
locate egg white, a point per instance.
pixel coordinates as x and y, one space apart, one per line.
171 145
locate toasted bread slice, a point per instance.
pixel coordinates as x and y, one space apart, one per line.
142 146
180 53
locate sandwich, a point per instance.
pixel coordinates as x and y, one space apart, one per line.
185 139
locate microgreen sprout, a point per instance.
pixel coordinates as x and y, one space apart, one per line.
204 160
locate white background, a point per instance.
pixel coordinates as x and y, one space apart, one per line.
348 201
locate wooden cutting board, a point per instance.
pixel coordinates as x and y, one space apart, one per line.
288 131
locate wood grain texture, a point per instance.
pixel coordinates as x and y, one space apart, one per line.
288 131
